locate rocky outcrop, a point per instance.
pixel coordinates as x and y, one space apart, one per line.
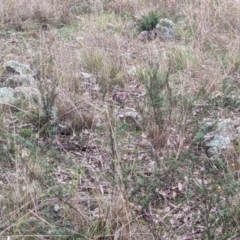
19 87
221 135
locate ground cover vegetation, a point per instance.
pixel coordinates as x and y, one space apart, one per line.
96 171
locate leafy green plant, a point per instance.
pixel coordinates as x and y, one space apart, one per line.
158 92
26 133
215 194
149 21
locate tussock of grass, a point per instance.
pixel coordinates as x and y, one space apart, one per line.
149 21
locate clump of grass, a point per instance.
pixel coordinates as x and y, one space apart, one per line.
94 60
182 58
26 133
107 69
76 116
63 95
149 21
48 97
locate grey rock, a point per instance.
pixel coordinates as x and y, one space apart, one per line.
86 75
165 29
20 89
18 68
132 114
21 74
133 118
132 71
19 96
6 95
29 94
19 80
46 27
146 35
65 129
220 136
238 131
56 208
120 97
79 39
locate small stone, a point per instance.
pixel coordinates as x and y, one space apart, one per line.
79 39
65 130
120 97
133 118
132 71
56 208
145 35
45 27
6 95
219 137
18 68
86 75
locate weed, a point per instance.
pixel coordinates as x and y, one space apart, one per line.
157 85
26 133
48 96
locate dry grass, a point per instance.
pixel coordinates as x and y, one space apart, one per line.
122 8
109 179
23 14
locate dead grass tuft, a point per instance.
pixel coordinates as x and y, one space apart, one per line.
24 14
61 63
105 61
